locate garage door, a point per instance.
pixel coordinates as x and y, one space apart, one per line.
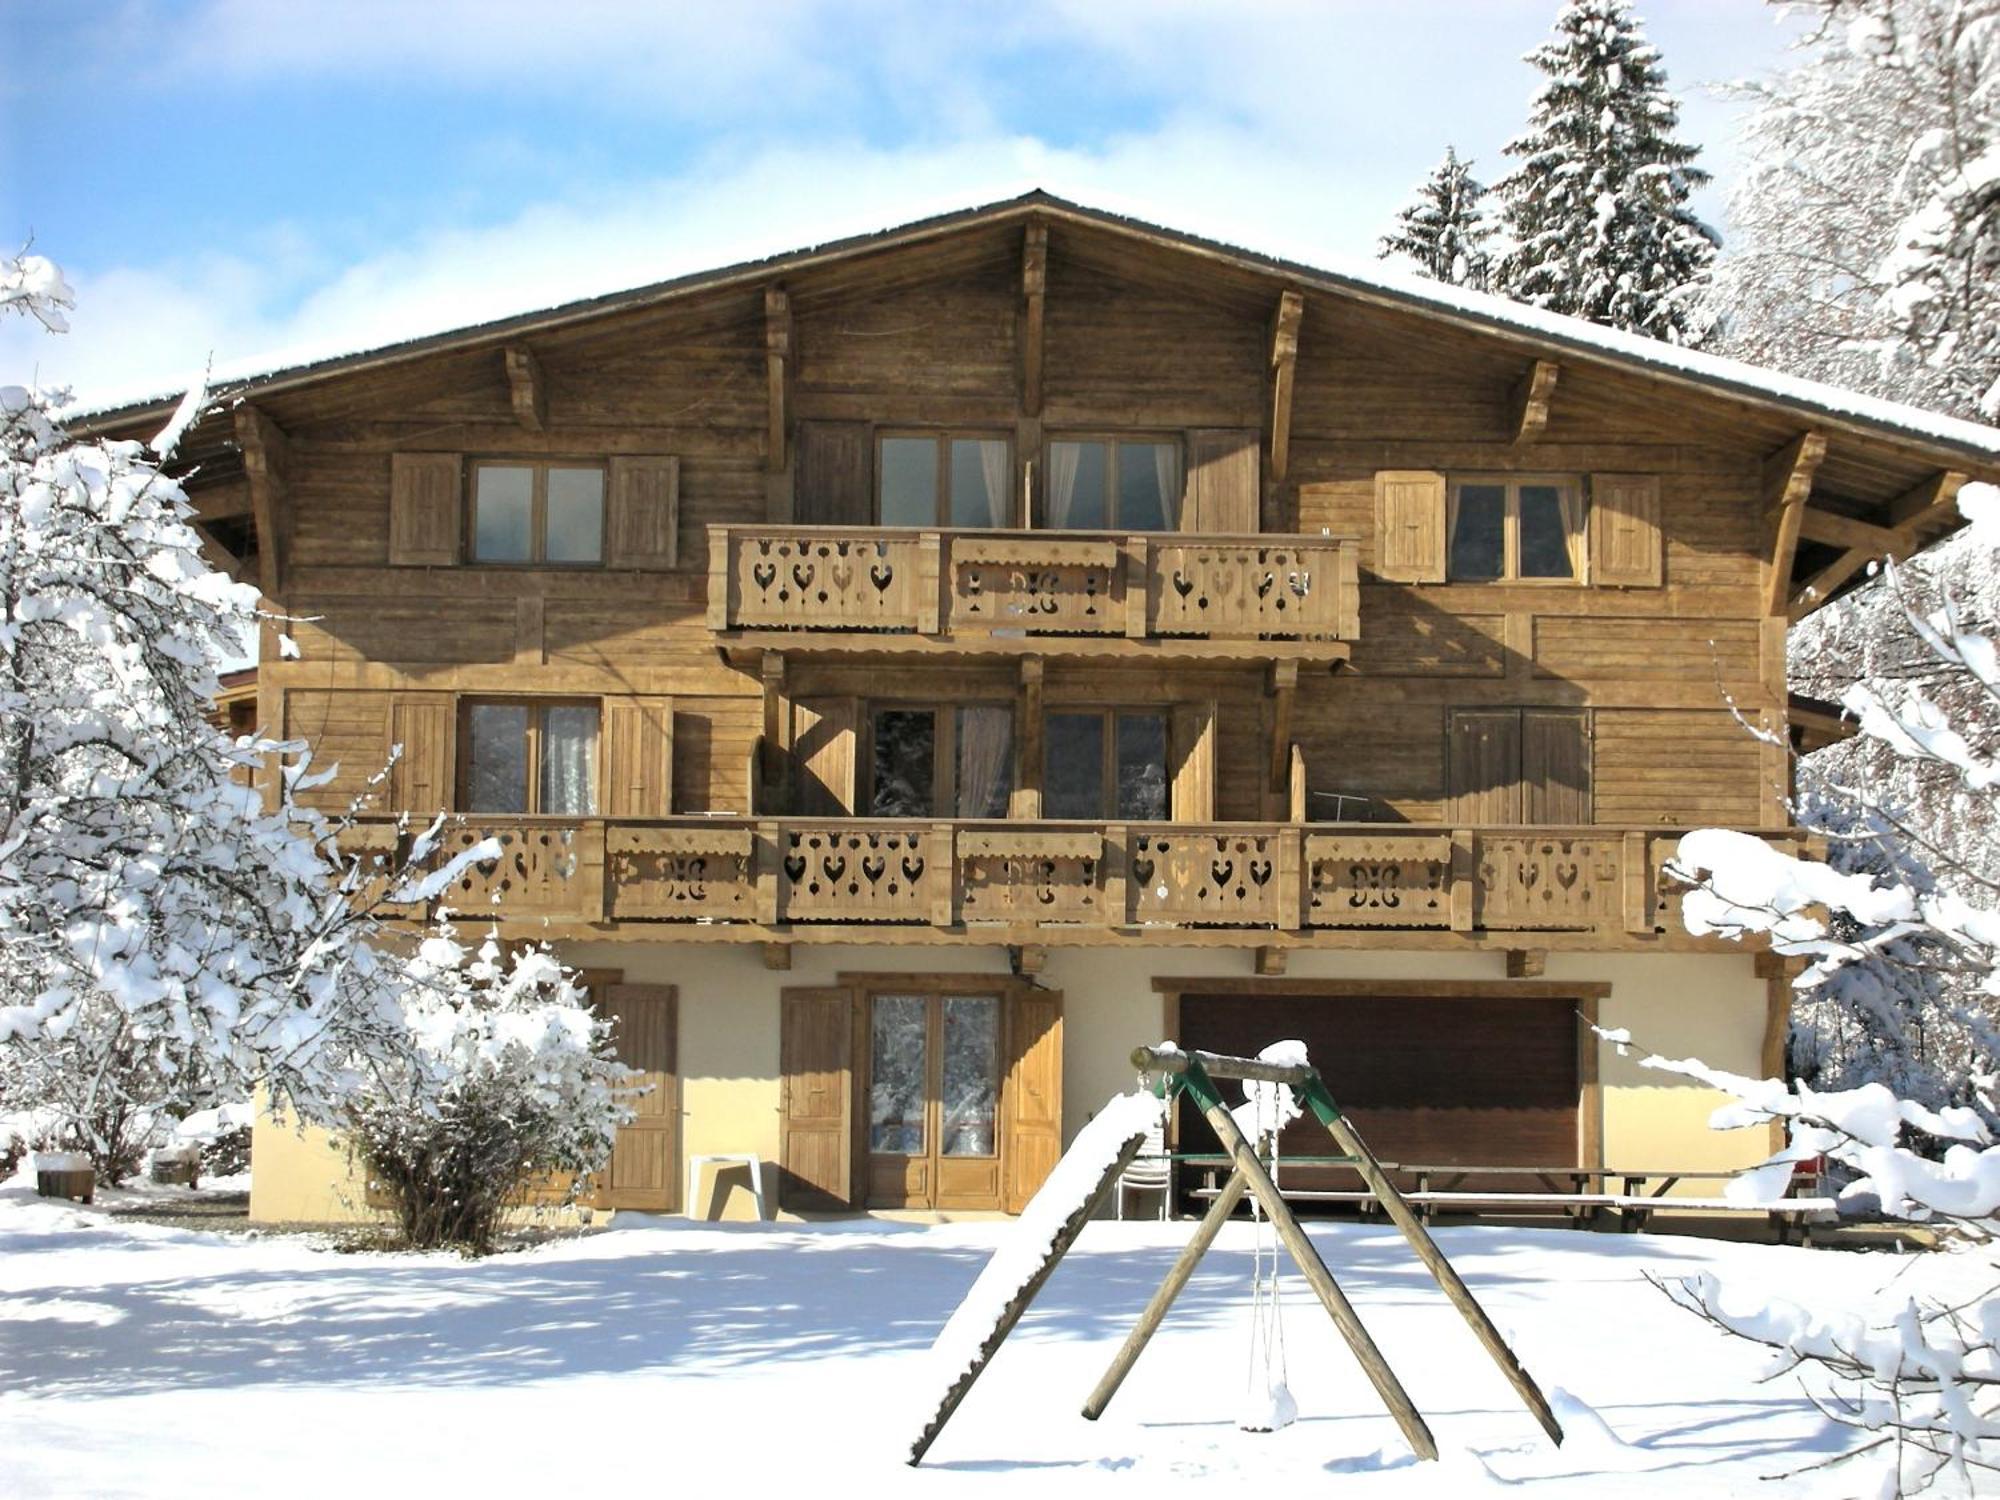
1483 1080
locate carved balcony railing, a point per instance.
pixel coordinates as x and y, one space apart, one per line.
890 580
1000 878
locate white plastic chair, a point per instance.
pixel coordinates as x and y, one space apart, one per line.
1152 1171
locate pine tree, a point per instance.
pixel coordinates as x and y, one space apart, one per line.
1598 209
1444 229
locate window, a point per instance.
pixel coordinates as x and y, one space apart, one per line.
944 479
1112 484
1516 528
929 762
519 757
538 513
1105 763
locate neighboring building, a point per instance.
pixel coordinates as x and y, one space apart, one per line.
909 673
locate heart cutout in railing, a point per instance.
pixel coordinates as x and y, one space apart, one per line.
1221 870
842 576
1260 871
913 869
1183 585
834 866
795 868
1567 875
873 867
881 575
802 575
763 574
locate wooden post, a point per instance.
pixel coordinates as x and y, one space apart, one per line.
1387 1386
1448 1280
777 376
1529 417
1163 1299
1284 361
1787 488
1034 291
527 389
1023 1299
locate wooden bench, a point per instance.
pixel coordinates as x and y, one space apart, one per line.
1566 1190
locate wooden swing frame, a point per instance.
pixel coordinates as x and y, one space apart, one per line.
1193 1073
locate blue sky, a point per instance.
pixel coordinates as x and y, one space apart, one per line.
263 180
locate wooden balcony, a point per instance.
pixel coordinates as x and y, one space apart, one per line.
1101 593
1075 883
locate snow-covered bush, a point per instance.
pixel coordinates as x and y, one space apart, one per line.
507 1077
1922 1380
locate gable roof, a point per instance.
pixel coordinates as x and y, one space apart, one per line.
1473 311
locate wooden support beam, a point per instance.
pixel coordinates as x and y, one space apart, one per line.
1020 1302
1284 361
777 374
1527 963
222 503
774 764
777 956
1034 293
1027 797
1284 691
1845 531
1027 958
1787 486
527 388
266 456
220 557
1270 960
1913 515
1532 393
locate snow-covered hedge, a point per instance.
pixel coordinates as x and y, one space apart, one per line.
506 1077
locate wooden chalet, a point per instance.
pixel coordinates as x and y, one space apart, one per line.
908 673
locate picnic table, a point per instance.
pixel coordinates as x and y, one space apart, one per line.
1582 1194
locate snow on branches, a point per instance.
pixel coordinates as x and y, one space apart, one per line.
1598 208
1443 230
161 928
1922 1380
505 1076
1867 217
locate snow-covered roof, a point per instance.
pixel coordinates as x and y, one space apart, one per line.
1368 281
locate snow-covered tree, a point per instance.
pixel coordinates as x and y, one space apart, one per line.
1866 221
159 925
506 1077
1597 211
1443 230
1922 1380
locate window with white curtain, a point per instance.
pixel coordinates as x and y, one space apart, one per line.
958 479
520 756
1111 484
930 760
1516 527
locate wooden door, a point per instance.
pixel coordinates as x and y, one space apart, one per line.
815 1057
1484 755
830 482
933 1107
1555 766
824 756
1033 1092
644 1171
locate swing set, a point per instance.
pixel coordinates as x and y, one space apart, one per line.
1173 1073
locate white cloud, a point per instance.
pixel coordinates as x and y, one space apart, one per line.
139 330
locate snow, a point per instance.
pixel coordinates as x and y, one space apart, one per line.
1027 1243
138 1360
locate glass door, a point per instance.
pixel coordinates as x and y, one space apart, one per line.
934 1100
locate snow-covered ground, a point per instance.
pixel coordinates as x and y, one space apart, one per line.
138 1360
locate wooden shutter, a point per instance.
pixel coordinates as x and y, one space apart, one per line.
425 501
816 1117
1031 1094
1625 530
1222 494
823 754
424 725
1484 756
638 757
1555 766
1409 526
1192 745
645 1168
830 482
642 519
